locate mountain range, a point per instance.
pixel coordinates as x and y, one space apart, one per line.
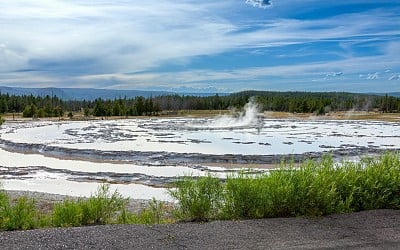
92 93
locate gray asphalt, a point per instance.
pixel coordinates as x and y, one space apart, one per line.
378 229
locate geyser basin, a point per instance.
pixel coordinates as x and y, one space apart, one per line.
195 136
146 154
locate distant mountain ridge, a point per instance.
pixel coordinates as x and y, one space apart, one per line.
80 93
395 94
92 93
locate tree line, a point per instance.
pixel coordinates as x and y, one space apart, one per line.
295 102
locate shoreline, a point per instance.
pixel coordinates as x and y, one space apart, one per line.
338 115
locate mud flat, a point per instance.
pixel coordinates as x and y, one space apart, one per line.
141 157
162 158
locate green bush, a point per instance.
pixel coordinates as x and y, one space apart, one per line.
101 208
240 199
198 199
307 190
22 215
104 207
4 204
314 188
67 214
154 214
380 184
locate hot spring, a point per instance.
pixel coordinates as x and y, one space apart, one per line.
140 156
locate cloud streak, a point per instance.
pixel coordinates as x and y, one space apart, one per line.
260 3
120 44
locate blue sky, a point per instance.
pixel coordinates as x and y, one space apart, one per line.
202 46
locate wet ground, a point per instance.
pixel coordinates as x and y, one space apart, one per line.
141 157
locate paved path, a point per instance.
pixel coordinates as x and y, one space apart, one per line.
379 229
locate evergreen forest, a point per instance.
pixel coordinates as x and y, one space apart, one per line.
296 102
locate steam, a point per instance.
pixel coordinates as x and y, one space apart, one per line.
246 118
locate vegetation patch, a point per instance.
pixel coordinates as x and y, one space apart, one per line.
311 189
318 103
104 207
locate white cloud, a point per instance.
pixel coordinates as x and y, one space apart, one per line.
121 43
134 37
394 77
334 74
260 3
373 76
127 37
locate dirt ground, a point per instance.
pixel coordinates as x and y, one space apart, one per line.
376 229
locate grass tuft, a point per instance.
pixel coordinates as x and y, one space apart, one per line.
101 208
156 213
198 199
21 215
67 214
314 188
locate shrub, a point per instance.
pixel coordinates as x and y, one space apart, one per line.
241 199
22 215
314 188
4 204
102 207
380 184
154 214
198 199
67 214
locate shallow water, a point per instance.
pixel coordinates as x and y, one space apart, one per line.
183 136
140 156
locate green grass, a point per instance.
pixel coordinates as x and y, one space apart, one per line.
198 199
314 188
101 208
21 215
104 207
67 214
156 213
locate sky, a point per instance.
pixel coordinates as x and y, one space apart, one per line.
202 46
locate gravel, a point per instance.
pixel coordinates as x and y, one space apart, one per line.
376 229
